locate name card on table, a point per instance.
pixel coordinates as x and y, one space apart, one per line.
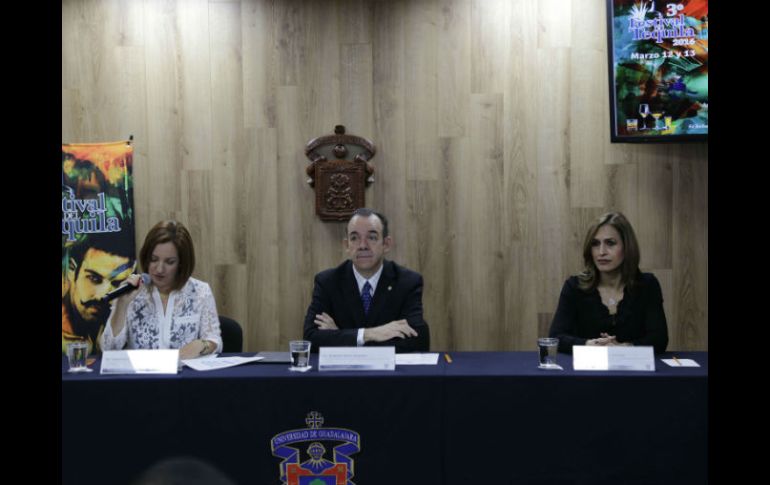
613 358
356 358
154 361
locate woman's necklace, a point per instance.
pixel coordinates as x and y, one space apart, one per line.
613 296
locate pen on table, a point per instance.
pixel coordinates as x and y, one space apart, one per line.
447 358
677 361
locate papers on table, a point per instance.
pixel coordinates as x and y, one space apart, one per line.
156 361
681 362
212 362
417 359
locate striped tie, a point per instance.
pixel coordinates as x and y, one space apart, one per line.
366 297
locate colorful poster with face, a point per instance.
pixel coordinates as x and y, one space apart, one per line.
98 248
658 66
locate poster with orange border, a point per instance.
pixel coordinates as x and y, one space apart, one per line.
98 245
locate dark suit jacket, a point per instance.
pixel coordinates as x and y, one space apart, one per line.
398 296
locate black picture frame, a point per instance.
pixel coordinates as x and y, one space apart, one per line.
657 57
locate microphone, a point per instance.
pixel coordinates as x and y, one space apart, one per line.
127 288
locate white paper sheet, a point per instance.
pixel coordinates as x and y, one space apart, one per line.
681 362
212 362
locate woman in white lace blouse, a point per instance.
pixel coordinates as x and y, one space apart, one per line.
173 311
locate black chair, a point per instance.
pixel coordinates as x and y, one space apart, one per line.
232 335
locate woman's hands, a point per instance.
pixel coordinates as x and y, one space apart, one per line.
606 339
196 348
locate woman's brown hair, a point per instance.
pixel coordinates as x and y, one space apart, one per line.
175 233
629 270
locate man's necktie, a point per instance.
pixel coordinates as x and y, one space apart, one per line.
366 297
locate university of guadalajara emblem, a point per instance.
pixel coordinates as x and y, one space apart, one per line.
303 452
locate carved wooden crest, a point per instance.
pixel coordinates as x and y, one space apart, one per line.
339 171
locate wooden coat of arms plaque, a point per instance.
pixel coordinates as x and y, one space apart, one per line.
339 172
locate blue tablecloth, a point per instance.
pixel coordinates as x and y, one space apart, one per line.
488 417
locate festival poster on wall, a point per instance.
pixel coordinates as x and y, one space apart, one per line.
658 67
98 248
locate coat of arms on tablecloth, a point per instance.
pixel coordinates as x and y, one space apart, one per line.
306 453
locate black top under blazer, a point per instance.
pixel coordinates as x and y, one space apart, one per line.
640 319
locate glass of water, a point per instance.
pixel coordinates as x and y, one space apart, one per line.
547 348
300 355
76 355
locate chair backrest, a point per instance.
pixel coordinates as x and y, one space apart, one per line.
232 335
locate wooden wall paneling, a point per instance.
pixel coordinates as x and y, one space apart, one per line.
72 115
520 213
554 97
622 192
390 112
259 63
295 275
356 76
197 216
420 95
484 270
543 327
356 109
553 173
97 70
132 101
356 21
321 69
654 226
72 60
698 156
688 327
588 106
133 112
163 124
227 132
453 66
461 323
198 31
231 282
323 88
288 25
554 23
490 26
262 327
427 204
131 75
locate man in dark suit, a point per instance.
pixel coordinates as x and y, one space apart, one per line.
367 300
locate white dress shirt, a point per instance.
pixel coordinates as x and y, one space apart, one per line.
361 282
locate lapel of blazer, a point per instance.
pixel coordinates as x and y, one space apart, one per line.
382 294
352 296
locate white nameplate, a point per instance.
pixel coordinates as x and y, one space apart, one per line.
155 361
613 358
356 358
